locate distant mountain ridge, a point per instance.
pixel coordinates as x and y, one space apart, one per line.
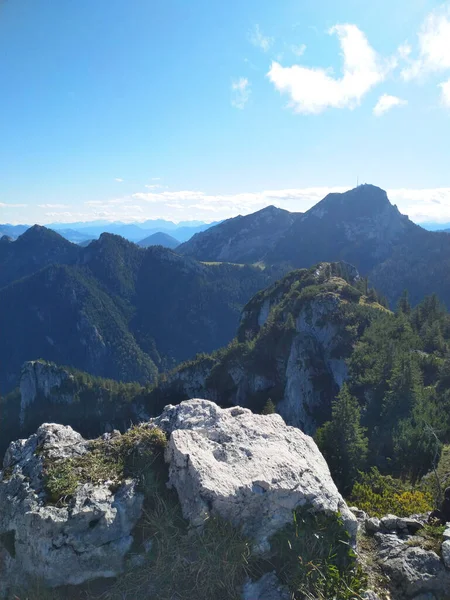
361 227
112 308
159 239
134 232
242 239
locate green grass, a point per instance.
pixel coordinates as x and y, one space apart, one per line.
205 564
129 455
430 537
314 559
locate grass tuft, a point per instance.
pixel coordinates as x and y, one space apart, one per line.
313 557
132 454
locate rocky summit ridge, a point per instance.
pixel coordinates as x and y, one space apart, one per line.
64 525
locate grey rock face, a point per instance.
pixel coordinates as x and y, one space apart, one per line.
359 514
267 587
389 522
312 356
240 239
39 378
412 570
445 549
70 544
446 533
251 469
372 525
370 595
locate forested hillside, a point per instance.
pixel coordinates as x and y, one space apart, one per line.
114 309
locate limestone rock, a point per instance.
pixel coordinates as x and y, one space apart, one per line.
412 525
372 525
445 549
412 570
389 522
70 544
267 587
38 379
359 514
370 595
251 469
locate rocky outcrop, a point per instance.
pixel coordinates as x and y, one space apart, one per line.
292 346
412 569
39 379
267 587
312 359
252 470
69 544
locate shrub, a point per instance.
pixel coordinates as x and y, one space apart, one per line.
379 495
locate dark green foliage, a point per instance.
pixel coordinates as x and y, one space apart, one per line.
342 440
399 376
379 495
114 309
86 403
65 316
269 408
314 559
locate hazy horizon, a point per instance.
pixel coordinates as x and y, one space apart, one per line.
137 110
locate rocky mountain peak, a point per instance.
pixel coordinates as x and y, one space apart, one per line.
361 202
39 233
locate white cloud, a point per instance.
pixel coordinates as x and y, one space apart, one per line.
312 90
429 204
423 205
240 90
445 93
53 205
434 45
385 103
259 40
118 179
404 50
298 50
9 205
155 186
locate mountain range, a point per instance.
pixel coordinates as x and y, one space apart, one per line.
118 310
112 308
81 232
360 226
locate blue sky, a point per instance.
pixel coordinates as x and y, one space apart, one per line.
196 109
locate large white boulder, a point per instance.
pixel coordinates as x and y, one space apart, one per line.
252 470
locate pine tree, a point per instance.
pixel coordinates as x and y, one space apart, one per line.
403 304
269 408
343 441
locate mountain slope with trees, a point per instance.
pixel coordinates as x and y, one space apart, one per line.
240 239
360 226
114 309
